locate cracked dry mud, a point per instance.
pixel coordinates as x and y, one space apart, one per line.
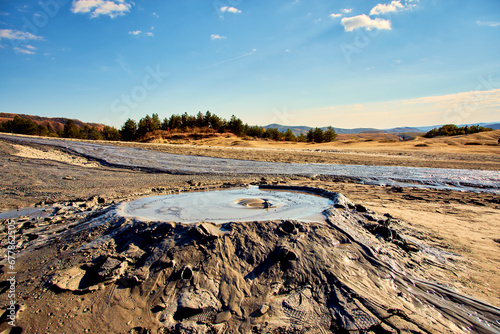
355 273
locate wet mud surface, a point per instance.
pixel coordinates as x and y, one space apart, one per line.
145 160
356 272
85 266
243 205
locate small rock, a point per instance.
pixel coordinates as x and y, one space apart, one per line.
69 279
113 268
360 208
264 308
223 317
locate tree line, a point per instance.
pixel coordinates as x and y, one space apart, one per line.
453 130
28 127
208 122
149 125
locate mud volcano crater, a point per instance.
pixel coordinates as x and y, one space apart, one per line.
273 259
237 205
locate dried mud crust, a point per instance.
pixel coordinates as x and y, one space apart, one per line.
453 222
401 157
96 271
26 181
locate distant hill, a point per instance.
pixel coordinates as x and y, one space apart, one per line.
304 129
57 123
494 126
398 130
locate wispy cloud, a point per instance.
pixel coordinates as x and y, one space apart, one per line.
216 36
232 59
124 65
141 33
364 21
155 15
410 112
95 8
18 35
492 24
228 9
23 9
28 49
335 15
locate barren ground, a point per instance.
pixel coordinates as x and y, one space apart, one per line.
466 224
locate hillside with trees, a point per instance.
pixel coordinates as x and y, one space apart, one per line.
173 127
70 129
210 123
453 130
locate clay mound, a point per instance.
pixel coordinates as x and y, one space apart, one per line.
355 273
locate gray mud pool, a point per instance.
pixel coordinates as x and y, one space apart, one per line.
222 206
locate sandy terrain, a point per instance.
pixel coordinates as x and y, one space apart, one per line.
477 151
463 225
50 154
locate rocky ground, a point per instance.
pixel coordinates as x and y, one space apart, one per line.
393 259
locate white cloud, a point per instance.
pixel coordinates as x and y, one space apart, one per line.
19 35
364 21
31 47
216 36
155 15
394 6
230 10
488 23
112 8
346 10
24 51
334 15
140 33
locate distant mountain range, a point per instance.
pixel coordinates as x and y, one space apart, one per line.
399 130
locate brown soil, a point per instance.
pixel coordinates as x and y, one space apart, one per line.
442 152
465 224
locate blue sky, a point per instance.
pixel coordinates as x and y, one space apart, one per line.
350 63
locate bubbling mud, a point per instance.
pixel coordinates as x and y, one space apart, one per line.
243 205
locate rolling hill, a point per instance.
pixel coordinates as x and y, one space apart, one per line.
57 123
398 130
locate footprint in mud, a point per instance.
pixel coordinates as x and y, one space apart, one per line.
300 309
